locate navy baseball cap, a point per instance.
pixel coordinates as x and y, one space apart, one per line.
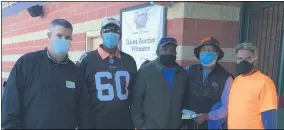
167 40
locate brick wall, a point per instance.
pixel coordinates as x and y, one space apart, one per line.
188 22
75 12
190 29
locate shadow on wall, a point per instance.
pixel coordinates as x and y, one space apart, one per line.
3 87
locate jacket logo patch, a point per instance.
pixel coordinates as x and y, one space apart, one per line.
111 61
214 84
70 84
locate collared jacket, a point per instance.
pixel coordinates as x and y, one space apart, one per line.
155 105
43 94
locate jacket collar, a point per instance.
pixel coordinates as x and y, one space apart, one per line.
105 54
160 67
54 61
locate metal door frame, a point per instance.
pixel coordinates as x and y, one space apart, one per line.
245 12
281 64
244 27
244 17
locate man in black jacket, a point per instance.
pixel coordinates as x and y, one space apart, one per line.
210 84
45 89
145 63
159 90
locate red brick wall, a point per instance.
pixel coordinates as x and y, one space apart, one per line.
75 12
187 31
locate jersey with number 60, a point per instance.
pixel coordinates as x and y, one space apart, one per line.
109 83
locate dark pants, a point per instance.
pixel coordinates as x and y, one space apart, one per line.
191 124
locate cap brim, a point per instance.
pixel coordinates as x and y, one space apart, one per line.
167 43
197 51
110 24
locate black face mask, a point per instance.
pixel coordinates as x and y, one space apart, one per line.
168 60
244 67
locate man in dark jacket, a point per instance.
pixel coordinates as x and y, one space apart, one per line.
45 89
145 63
210 84
159 90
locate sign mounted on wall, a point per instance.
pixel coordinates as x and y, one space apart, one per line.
142 28
7 4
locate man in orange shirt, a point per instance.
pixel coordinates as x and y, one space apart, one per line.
252 99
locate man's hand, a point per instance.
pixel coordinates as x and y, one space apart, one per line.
201 118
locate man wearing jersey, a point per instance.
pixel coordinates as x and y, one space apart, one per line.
109 75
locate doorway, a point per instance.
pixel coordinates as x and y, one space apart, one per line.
93 39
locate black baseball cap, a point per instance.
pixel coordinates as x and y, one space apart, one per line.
209 41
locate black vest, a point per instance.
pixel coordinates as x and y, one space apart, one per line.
205 94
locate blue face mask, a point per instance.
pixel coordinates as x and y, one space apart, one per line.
61 46
110 39
208 58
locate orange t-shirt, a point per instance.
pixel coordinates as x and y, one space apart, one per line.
249 96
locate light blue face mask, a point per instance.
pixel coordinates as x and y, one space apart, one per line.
111 39
208 58
61 46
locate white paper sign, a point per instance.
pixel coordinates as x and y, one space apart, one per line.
141 31
188 114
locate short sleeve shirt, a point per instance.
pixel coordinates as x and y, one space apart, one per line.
250 96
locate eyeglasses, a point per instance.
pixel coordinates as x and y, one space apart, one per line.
168 40
107 30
